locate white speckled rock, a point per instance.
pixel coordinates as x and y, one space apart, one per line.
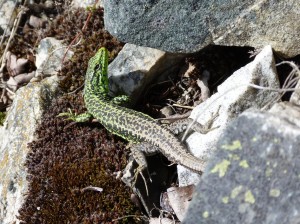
233 97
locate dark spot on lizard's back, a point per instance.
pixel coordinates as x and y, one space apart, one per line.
160 134
114 126
121 119
124 132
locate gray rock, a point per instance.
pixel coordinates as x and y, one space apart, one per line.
86 3
7 15
233 97
17 132
135 67
253 176
188 26
162 221
50 54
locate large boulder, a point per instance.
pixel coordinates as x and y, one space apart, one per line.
253 176
188 26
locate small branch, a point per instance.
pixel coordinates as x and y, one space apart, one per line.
78 35
91 188
182 106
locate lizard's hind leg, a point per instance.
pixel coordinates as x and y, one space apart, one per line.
179 126
139 152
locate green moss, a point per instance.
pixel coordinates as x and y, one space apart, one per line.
274 193
205 214
244 164
225 200
235 192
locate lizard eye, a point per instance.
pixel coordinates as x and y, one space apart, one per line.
98 67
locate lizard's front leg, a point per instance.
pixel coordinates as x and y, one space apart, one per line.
120 100
84 117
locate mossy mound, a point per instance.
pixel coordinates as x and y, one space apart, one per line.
67 159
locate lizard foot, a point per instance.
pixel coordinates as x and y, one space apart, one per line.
70 115
185 127
204 129
74 117
140 158
138 171
120 100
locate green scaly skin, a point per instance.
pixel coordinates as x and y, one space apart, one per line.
129 124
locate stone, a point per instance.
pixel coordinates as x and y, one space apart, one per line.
135 67
253 175
50 54
17 131
233 97
179 199
86 3
189 26
8 14
162 221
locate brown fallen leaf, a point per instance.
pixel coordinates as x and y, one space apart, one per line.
179 198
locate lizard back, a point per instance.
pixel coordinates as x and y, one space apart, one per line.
136 127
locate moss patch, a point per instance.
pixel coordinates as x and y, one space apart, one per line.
64 161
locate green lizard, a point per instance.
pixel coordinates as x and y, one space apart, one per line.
129 124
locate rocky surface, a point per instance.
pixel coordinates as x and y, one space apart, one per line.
7 15
295 96
86 3
17 132
50 56
20 125
233 97
136 67
189 26
252 176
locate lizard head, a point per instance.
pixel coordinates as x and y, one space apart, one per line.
96 75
